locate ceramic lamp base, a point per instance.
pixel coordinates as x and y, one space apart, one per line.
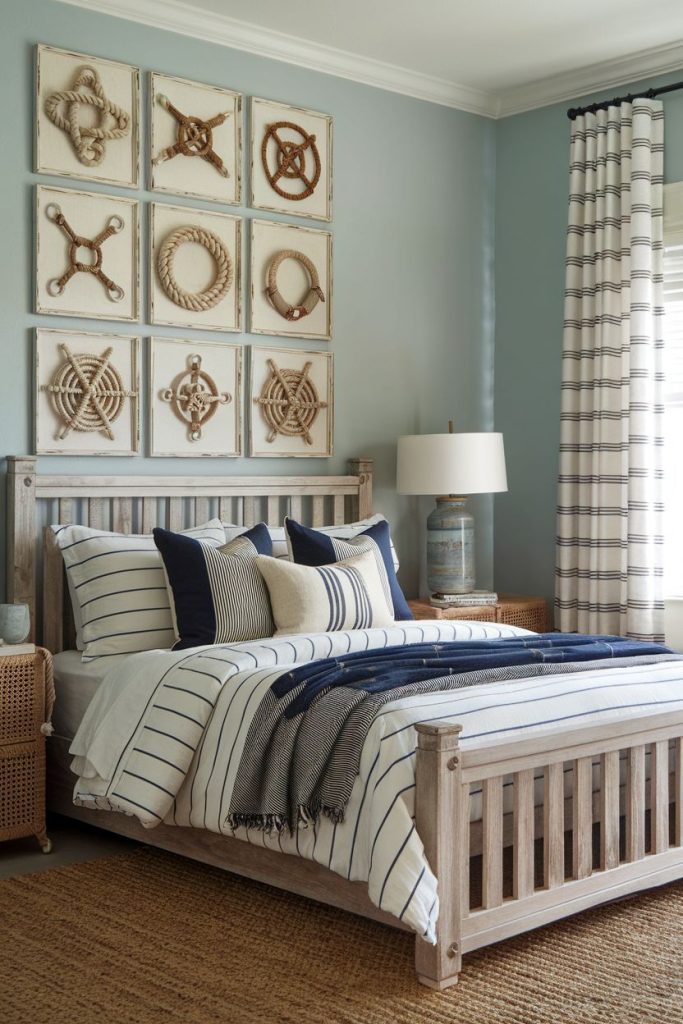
450 547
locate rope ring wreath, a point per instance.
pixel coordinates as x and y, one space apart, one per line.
314 294
290 159
195 301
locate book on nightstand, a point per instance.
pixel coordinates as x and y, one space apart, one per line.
7 649
474 598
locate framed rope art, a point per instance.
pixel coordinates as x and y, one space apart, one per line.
291 280
291 403
196 142
87 393
87 117
195 398
87 254
195 268
291 160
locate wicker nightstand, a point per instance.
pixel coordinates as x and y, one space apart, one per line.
26 700
528 612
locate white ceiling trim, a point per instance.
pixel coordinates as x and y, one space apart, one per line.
176 16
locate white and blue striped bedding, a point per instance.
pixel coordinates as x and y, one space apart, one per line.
163 737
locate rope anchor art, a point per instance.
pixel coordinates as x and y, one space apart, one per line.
289 402
211 296
88 142
87 393
194 137
314 294
56 285
194 397
290 159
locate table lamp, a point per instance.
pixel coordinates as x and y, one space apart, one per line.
451 466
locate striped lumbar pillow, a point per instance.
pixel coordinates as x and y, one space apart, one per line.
313 547
217 594
118 588
326 598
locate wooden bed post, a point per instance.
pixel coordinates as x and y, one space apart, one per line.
438 798
21 533
362 468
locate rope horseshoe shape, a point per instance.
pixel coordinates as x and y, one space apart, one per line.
195 137
57 285
313 296
195 301
289 402
89 143
290 157
87 393
195 397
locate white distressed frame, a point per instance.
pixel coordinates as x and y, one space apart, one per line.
44 129
63 305
97 344
262 195
159 410
160 176
263 318
296 446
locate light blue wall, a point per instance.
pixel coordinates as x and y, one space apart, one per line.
532 178
413 234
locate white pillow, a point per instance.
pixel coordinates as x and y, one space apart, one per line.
278 535
325 598
118 588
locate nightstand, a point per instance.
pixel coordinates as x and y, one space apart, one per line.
514 610
26 701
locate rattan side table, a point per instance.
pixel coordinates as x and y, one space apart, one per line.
513 609
26 701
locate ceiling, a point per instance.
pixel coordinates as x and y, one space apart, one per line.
491 56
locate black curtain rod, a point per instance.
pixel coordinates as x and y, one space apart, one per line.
649 94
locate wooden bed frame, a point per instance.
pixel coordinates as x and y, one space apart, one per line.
582 847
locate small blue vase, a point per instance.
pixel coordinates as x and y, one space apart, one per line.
450 547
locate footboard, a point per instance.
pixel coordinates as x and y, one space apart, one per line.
559 832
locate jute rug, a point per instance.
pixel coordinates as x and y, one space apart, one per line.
147 937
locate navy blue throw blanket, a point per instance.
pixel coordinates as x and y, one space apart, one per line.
304 743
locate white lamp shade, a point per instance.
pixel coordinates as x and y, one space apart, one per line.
451 464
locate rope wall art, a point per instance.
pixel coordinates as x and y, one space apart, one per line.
64 110
295 159
314 294
87 393
56 285
216 292
194 138
194 397
289 402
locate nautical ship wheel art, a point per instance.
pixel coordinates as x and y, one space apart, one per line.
289 402
87 393
194 397
296 156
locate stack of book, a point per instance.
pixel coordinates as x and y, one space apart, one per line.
7 649
474 598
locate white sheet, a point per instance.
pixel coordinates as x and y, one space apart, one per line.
76 683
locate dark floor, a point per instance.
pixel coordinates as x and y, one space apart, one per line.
72 843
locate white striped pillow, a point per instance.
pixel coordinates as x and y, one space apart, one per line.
118 588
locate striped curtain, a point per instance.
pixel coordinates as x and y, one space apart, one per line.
610 511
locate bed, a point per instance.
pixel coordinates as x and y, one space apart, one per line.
576 816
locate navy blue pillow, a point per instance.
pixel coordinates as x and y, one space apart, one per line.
311 547
217 595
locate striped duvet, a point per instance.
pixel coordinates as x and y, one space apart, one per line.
163 737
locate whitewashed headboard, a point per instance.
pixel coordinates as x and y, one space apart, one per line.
135 504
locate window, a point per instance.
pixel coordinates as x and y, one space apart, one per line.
673 389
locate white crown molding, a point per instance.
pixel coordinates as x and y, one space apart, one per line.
594 78
187 20
175 16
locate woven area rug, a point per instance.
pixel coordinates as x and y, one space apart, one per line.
147 937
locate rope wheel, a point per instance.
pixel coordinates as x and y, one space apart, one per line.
87 393
290 159
314 294
195 397
89 143
210 297
194 138
56 285
289 402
